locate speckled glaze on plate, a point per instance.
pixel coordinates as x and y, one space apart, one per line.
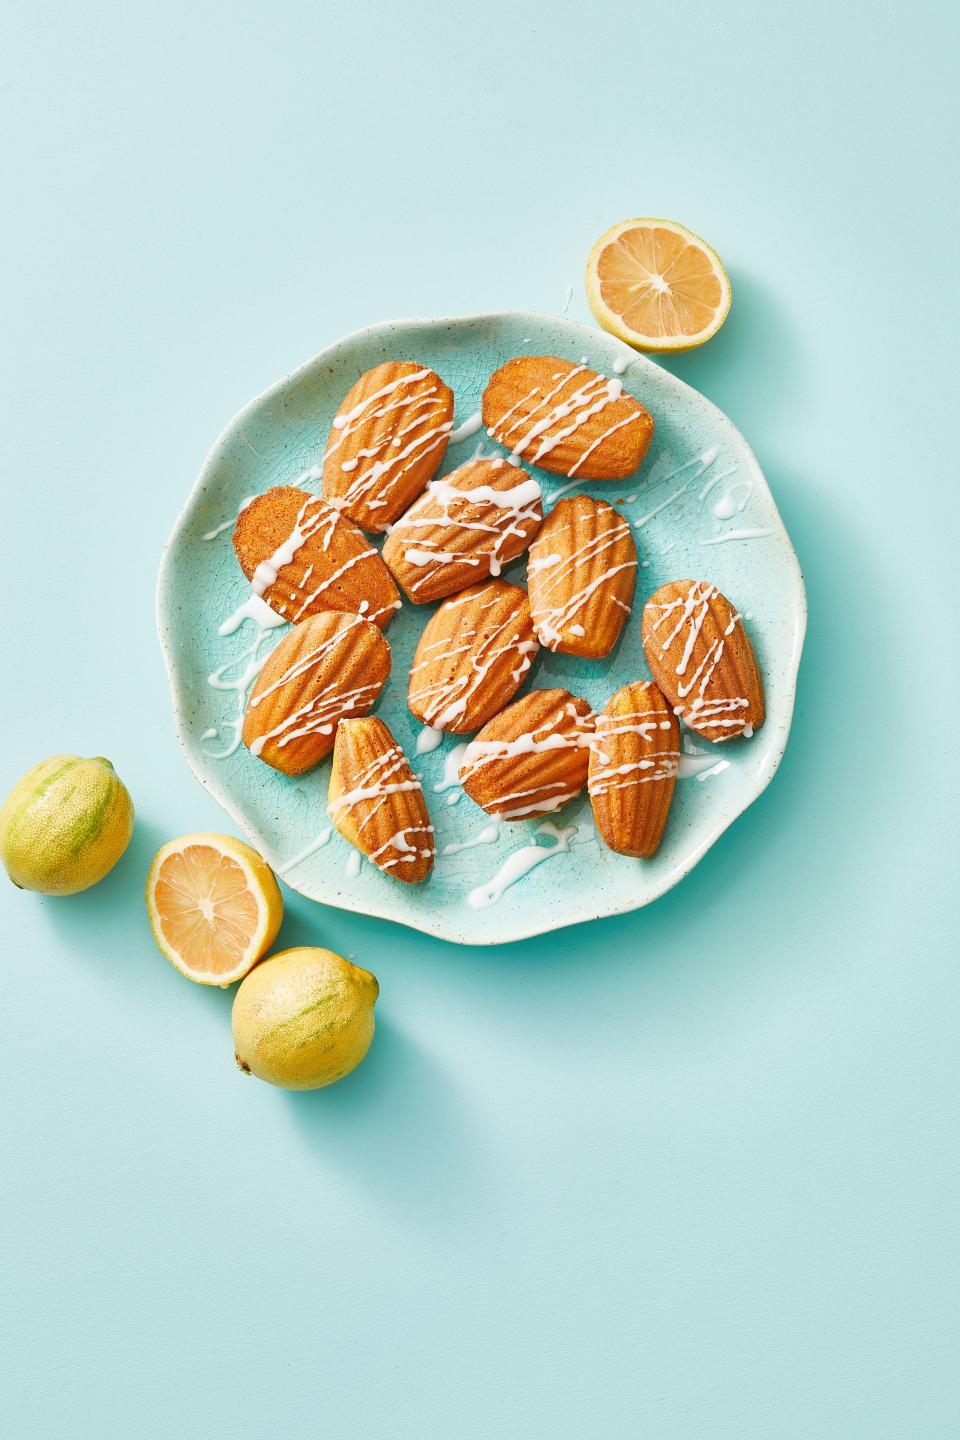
714 520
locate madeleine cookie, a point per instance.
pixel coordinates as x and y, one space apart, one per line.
330 666
581 575
700 656
302 556
387 439
472 657
566 418
634 758
376 801
531 758
467 526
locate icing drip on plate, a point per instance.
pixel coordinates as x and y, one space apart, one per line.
520 863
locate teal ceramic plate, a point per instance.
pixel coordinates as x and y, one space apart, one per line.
701 509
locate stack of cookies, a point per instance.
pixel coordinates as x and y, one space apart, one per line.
308 557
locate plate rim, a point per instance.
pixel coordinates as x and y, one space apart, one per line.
431 920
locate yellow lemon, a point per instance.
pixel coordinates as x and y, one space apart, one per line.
214 906
656 285
304 1018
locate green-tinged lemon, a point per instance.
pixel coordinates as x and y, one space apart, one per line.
64 825
304 1018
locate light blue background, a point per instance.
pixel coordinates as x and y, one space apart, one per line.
690 1173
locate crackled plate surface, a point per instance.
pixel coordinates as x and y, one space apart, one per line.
700 507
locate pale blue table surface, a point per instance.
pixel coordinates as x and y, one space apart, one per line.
690 1174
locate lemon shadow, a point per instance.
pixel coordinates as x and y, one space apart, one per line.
754 369
400 1133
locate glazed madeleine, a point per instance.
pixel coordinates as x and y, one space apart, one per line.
387 439
634 758
330 666
566 418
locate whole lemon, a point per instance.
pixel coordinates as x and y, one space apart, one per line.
64 825
303 1018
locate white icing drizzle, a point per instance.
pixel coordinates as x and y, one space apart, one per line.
612 430
401 843
727 506
253 608
757 534
316 518
313 514
428 740
390 457
520 863
497 514
374 791
487 836
367 487
699 464
716 480
377 783
227 524
732 502
451 769
353 864
470 426
246 665
287 865
346 423
320 715
519 497
374 615
492 429
700 767
416 556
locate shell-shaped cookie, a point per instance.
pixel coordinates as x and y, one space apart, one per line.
634 757
701 657
472 657
376 801
566 418
303 556
531 758
387 439
468 525
330 666
581 576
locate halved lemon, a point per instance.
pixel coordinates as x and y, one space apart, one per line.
656 285
214 906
